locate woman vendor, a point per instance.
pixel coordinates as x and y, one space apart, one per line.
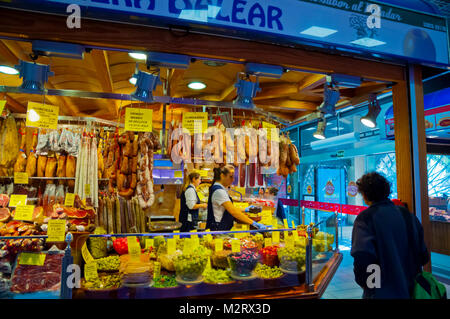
190 203
221 211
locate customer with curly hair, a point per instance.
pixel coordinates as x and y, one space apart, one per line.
380 238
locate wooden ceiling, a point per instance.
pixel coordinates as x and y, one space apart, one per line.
293 95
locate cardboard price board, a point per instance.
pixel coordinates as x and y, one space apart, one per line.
176 236
138 120
266 217
90 271
42 115
56 230
24 212
235 246
156 269
188 246
273 134
276 237
86 254
134 248
149 243
267 242
32 259
218 244
16 200
171 246
20 178
195 122
69 200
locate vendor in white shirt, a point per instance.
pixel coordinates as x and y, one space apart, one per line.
190 203
221 211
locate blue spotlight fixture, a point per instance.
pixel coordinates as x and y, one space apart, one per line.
246 91
330 98
34 75
145 85
370 119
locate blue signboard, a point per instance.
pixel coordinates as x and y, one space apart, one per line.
352 25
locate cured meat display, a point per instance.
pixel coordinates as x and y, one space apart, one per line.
289 158
9 145
148 144
27 278
86 176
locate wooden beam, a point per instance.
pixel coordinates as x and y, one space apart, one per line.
228 94
281 104
52 27
16 49
13 103
311 82
6 55
276 91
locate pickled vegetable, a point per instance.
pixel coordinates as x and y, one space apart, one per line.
111 263
98 245
243 263
292 259
266 272
164 281
103 282
217 276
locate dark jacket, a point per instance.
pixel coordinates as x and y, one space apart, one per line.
380 237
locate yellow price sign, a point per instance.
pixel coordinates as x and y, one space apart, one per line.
235 246
32 259
138 120
16 200
195 122
295 233
2 106
203 173
69 200
194 235
285 223
134 248
90 271
188 246
240 190
42 115
286 234
218 244
178 174
150 242
156 269
56 230
208 237
267 242
266 217
86 254
274 223
273 133
276 237
171 246
176 236
24 212
208 265
289 242
293 224
20 178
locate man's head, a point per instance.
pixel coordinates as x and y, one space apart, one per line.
373 188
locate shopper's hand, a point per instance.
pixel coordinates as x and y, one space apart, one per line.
249 207
259 226
204 206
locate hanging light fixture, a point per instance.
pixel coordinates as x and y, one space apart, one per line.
5 69
34 75
331 96
370 120
145 85
321 125
246 91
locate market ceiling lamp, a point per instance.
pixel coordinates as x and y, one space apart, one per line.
246 91
370 120
8 70
320 132
335 141
138 55
58 49
196 85
145 85
34 75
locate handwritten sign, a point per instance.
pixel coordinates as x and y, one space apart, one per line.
138 120
171 246
267 242
208 237
20 178
56 230
134 248
188 246
273 133
218 244
24 212
42 115
178 174
285 223
90 271
195 122
276 237
156 269
86 254
69 200
87 190
32 259
235 246
266 217
176 236
16 200
289 242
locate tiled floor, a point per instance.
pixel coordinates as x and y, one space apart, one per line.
343 285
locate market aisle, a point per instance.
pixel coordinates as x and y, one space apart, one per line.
343 285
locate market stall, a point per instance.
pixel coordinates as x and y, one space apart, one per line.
100 131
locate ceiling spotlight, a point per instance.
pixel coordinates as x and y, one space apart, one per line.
34 75
138 56
320 132
370 120
246 91
196 85
8 70
145 85
330 98
133 80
